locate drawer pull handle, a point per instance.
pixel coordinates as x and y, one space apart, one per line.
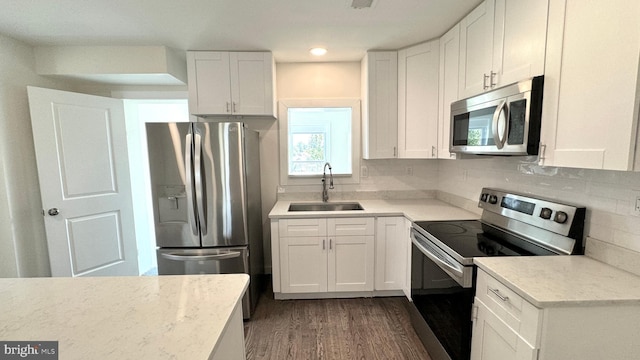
500 296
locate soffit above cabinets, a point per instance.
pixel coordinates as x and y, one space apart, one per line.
121 65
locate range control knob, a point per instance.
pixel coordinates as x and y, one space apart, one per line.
493 199
561 217
484 197
545 213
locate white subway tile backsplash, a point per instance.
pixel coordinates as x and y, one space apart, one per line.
607 195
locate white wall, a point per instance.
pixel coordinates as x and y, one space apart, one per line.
23 249
608 196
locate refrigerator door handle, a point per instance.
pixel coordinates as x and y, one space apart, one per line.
188 184
197 257
200 201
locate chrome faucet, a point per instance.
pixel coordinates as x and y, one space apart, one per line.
325 193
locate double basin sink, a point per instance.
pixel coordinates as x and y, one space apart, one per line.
325 207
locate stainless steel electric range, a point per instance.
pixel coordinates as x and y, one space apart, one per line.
442 270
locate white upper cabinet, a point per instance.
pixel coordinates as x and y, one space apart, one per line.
501 42
447 88
519 40
231 83
590 108
418 101
476 50
380 105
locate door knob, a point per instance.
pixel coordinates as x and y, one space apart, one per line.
53 211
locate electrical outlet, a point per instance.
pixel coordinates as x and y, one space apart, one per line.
636 207
364 171
281 190
409 171
465 175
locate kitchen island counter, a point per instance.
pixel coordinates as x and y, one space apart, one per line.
154 317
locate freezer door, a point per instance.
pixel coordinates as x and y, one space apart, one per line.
203 261
172 187
233 260
220 174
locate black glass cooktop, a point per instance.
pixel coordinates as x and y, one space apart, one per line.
472 238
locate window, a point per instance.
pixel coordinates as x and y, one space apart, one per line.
317 136
314 132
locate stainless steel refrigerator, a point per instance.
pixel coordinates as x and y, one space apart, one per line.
205 179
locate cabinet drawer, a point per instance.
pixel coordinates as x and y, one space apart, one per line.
302 227
350 226
514 310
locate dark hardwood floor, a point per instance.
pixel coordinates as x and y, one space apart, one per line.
363 328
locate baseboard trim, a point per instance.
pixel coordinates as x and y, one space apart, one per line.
337 295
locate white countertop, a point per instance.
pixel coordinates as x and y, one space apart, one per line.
414 210
547 281
151 317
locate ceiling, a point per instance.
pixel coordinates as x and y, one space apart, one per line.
288 28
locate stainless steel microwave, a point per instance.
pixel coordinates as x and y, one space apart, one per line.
504 121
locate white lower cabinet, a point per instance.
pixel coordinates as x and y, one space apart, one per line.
495 340
325 255
507 327
392 241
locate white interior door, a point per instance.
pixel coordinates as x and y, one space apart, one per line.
83 168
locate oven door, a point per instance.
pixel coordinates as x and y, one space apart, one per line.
441 311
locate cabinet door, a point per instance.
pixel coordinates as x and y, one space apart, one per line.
391 253
448 88
303 264
590 106
492 339
252 83
209 82
418 101
350 262
520 35
380 105
476 50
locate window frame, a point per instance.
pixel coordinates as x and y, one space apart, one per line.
283 124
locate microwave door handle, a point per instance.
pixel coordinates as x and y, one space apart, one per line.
498 138
189 183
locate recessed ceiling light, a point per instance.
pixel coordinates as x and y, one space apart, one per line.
318 51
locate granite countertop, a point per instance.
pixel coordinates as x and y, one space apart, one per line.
151 317
548 281
414 210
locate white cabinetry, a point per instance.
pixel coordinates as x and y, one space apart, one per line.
590 109
418 101
507 327
380 105
501 42
448 87
231 83
392 240
325 255
476 49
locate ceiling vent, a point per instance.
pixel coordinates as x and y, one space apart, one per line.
361 4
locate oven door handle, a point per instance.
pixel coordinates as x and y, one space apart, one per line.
436 259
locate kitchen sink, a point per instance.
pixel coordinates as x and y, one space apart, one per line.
325 207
